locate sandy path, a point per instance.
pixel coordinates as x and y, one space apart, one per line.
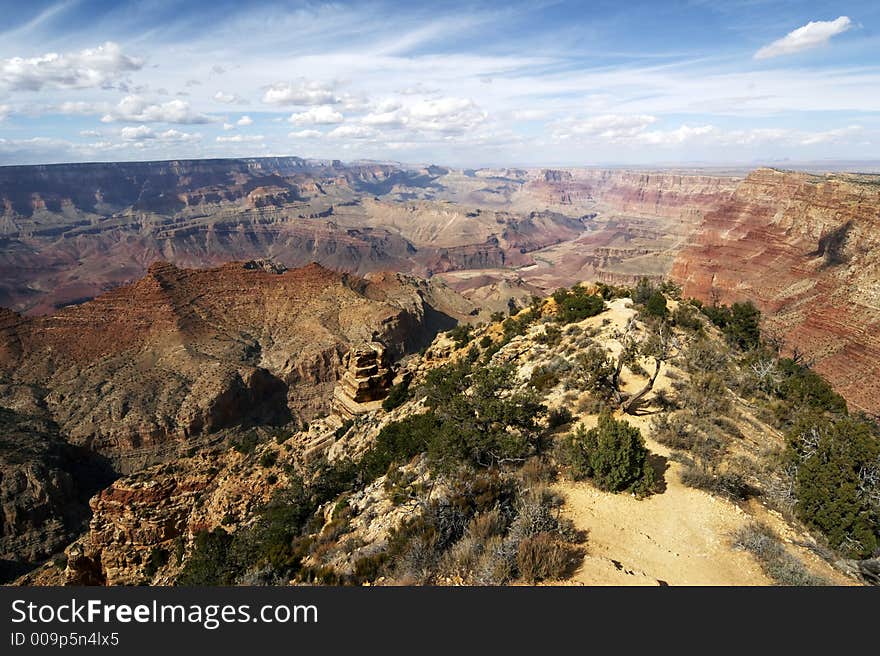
679 537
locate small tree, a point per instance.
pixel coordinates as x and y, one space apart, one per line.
656 305
837 481
643 291
613 455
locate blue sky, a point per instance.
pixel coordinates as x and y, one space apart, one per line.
469 84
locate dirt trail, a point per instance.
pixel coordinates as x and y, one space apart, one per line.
680 536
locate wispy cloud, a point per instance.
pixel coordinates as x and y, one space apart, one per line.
450 83
812 35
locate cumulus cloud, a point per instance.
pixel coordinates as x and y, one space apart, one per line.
241 138
320 115
136 109
304 92
244 121
4 111
806 37
229 98
144 133
94 134
138 133
304 134
92 67
440 115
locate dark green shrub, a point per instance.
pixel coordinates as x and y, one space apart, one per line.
598 369
269 458
610 292
483 420
576 304
837 480
804 389
740 323
399 442
486 342
397 395
514 326
460 335
157 559
642 291
207 563
656 305
613 455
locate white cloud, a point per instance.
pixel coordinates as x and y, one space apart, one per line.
320 115
93 67
837 135
229 98
302 93
228 126
137 134
136 109
90 133
352 132
608 127
440 115
241 138
675 137
4 111
446 115
811 35
80 107
144 133
244 121
305 134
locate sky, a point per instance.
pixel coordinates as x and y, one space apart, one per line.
538 83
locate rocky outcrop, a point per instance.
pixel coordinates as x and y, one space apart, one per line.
366 379
806 249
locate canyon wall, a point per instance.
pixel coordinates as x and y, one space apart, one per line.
806 249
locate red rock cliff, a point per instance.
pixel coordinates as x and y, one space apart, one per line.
806 249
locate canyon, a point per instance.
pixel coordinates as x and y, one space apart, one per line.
153 313
800 245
